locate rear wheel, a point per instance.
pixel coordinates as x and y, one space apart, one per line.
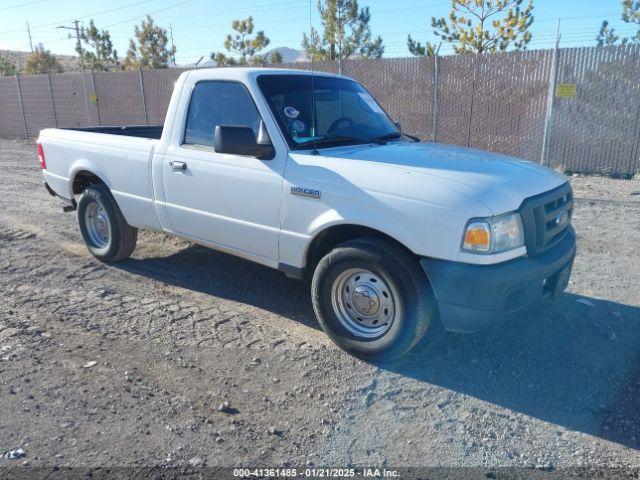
104 229
372 299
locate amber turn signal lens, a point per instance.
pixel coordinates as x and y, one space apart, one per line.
477 237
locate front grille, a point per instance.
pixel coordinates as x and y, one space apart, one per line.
546 219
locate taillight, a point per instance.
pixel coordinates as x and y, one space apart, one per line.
43 164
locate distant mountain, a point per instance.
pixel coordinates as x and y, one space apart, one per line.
203 64
289 55
69 63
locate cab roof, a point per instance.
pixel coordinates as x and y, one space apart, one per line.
244 73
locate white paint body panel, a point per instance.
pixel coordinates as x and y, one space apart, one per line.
421 194
123 164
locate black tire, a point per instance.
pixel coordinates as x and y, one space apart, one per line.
121 236
393 265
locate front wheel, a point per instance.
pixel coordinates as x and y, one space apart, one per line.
104 229
372 299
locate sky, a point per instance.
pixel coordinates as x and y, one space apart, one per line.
200 26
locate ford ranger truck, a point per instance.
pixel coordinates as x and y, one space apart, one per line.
307 174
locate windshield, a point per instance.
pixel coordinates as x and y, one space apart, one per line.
345 113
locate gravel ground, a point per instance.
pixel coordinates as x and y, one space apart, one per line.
131 364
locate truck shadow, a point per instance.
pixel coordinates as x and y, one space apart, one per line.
576 363
207 271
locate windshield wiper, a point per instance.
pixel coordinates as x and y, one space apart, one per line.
394 136
337 139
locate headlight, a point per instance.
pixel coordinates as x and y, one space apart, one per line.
493 234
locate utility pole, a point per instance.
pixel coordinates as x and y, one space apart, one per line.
173 55
79 44
30 40
340 33
436 90
553 80
78 37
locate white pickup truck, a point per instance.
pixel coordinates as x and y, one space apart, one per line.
306 173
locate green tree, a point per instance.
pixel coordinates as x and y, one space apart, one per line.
6 67
479 26
607 36
346 32
104 56
419 50
630 14
149 48
243 44
275 57
41 61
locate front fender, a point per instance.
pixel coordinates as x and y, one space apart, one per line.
385 224
294 246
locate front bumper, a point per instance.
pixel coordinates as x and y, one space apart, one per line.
473 297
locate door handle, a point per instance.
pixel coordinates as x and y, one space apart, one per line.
178 166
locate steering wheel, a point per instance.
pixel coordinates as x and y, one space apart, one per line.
336 123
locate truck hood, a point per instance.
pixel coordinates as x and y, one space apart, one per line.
498 181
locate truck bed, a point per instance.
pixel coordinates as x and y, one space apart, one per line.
119 156
141 131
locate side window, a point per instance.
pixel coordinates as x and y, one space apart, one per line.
218 103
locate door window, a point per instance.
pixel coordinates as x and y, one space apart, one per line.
218 103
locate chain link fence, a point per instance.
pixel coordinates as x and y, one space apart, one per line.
573 109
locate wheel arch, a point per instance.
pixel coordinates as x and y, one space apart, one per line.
84 178
84 172
330 237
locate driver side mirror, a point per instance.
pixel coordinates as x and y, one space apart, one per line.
242 141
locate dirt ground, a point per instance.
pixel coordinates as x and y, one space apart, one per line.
178 330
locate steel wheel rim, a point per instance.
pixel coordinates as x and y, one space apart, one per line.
97 225
363 302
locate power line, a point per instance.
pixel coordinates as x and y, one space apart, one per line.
134 18
259 7
103 12
227 24
21 5
149 13
582 17
270 8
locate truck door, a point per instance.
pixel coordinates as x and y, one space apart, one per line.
230 201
